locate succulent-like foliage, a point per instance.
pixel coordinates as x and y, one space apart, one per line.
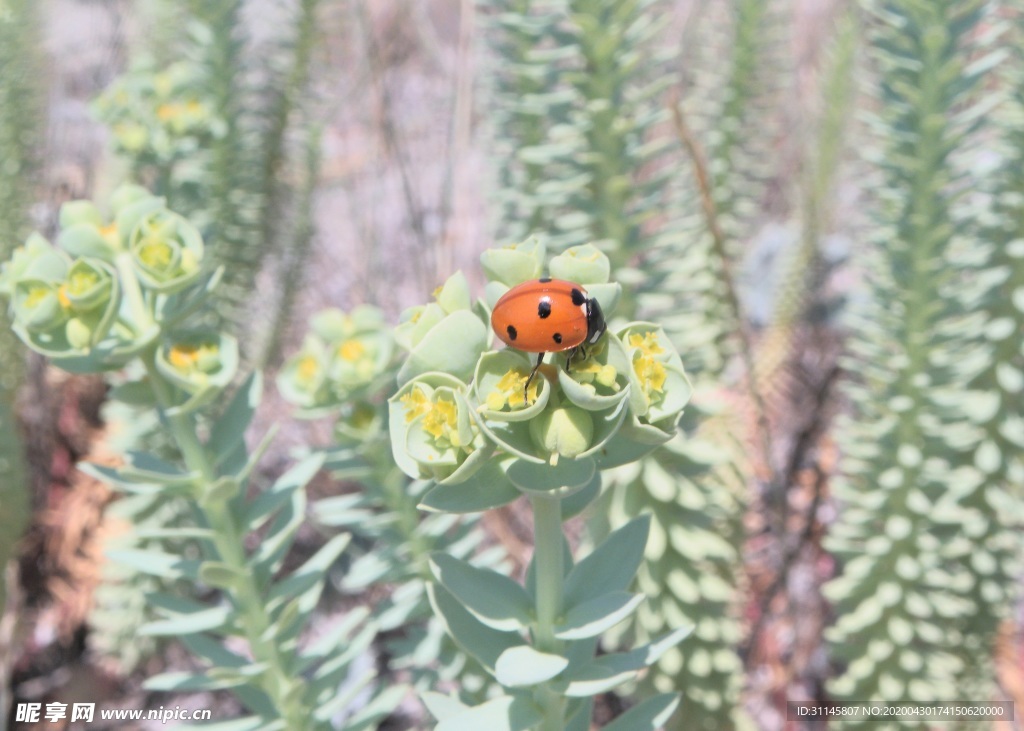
927 534
210 134
473 422
19 97
346 368
999 455
533 135
604 172
128 299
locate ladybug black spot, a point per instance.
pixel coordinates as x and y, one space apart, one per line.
544 308
544 280
578 298
511 332
557 337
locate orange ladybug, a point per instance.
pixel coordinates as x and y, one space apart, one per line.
548 315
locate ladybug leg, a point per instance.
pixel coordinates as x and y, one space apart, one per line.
526 388
572 356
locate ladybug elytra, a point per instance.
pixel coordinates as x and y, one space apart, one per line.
548 315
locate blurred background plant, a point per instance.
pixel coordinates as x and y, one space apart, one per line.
346 153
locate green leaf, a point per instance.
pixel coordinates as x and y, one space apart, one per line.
476 638
306 583
609 671
442 706
501 714
329 702
567 476
278 539
134 393
523 666
155 563
496 600
488 488
380 707
452 346
264 505
210 649
146 468
611 566
591 618
183 682
580 500
650 714
229 430
208 619
220 575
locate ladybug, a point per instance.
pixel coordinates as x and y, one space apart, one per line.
548 315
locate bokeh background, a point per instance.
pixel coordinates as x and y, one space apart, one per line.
822 201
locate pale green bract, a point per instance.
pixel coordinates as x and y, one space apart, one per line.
462 421
119 292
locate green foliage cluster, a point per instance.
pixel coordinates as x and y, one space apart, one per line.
19 99
929 532
129 299
580 107
472 421
211 134
346 368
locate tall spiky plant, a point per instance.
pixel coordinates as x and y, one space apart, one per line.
924 534
19 125
533 135
247 197
615 173
995 560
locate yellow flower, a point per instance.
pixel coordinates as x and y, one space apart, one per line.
38 294
190 357
510 391
416 404
351 350
156 254
651 373
308 368
647 343
441 422
80 283
167 112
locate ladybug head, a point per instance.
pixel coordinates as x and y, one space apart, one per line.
595 321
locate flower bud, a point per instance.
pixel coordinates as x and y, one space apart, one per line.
167 251
566 431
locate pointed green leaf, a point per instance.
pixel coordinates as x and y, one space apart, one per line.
591 618
154 563
229 430
183 682
501 714
495 600
208 619
306 582
611 566
219 575
442 706
486 489
523 666
380 707
479 640
647 716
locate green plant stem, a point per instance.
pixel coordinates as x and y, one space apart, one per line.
227 535
549 572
